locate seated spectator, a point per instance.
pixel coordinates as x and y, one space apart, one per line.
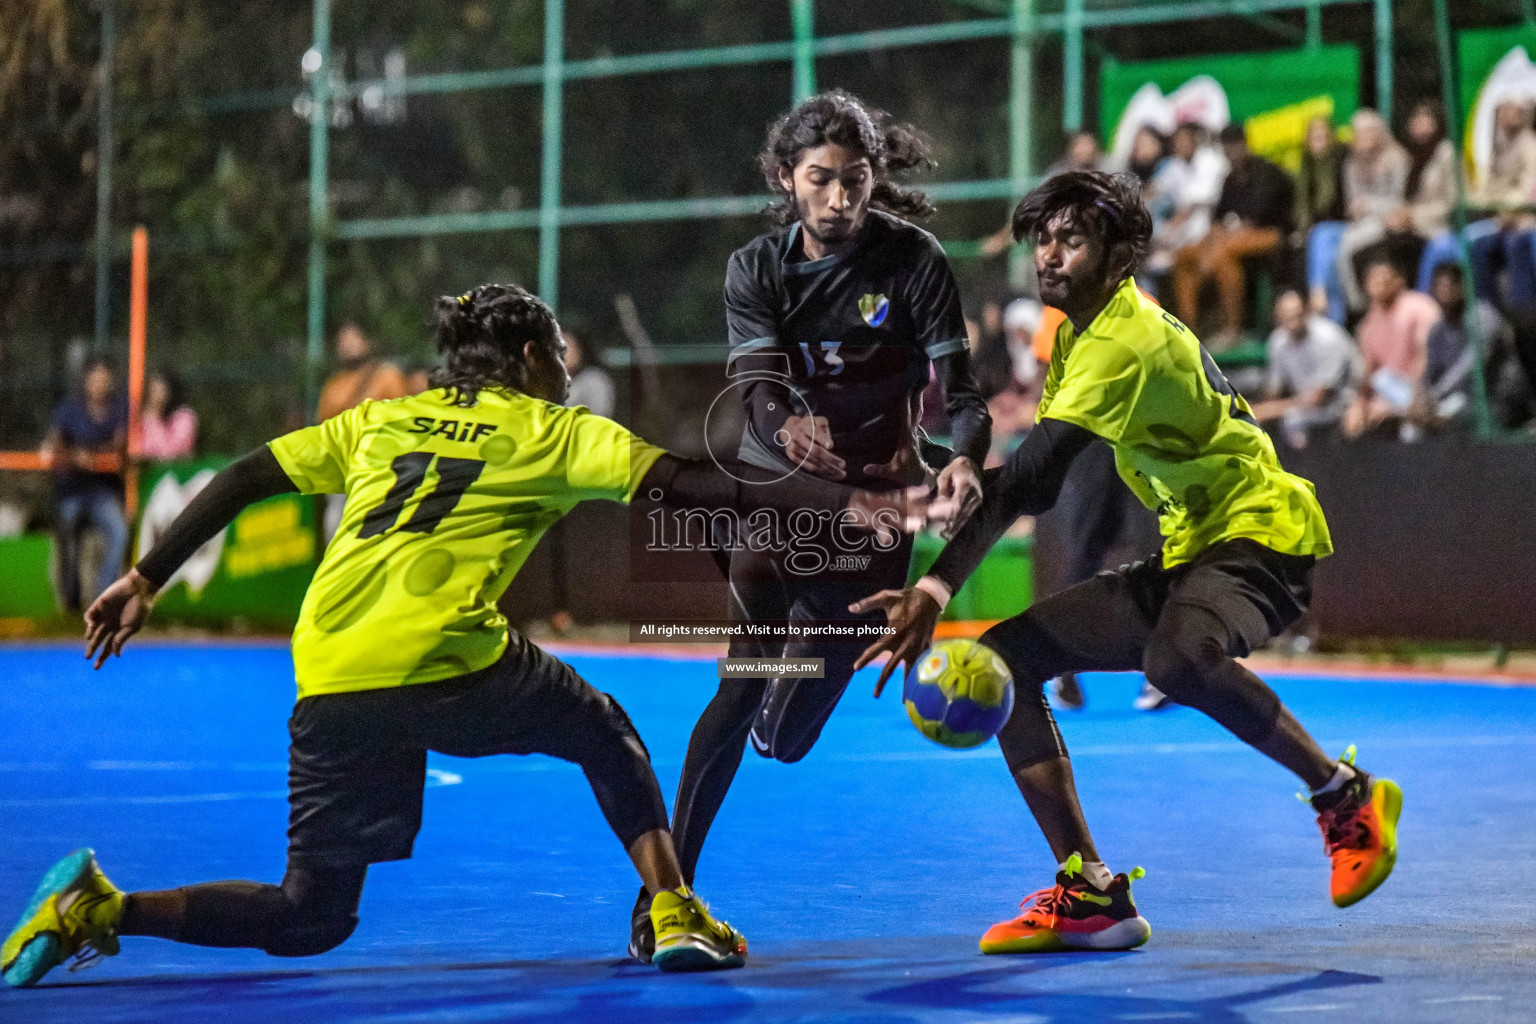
1252 219
168 426
1446 395
1312 368
1148 151
1320 213
1375 183
1182 194
1083 154
591 385
1501 243
1394 344
1409 233
84 449
360 375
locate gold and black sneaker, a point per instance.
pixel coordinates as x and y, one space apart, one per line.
688 938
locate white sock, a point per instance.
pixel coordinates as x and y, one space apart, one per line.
1097 873
1343 775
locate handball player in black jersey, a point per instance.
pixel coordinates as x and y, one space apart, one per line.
836 318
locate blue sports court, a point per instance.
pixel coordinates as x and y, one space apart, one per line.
861 876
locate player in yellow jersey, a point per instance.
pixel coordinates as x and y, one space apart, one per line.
1240 537
399 648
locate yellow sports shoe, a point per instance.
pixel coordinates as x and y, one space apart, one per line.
689 939
74 913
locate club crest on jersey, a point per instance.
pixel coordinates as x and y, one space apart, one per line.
873 309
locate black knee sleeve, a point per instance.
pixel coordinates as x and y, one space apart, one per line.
1193 668
618 767
311 912
1030 735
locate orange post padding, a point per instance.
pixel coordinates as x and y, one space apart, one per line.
138 315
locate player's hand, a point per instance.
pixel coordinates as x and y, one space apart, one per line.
807 441
906 468
116 615
889 513
960 486
913 615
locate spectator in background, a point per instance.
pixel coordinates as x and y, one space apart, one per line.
1394 343
1312 366
1252 219
85 448
989 358
1429 192
591 385
168 425
1320 214
1375 183
1502 242
1182 194
360 375
1083 154
1148 151
1446 395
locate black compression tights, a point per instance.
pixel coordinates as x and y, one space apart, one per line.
714 753
314 910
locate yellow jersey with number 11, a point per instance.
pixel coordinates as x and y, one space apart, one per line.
444 504
1185 442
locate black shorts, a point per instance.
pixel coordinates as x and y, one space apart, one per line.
1106 623
357 762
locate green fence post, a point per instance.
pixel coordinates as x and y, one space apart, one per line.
317 63
1072 74
1482 421
1384 59
1315 26
802 16
549 177
1021 101
104 148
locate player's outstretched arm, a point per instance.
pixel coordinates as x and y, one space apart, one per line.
696 483
123 607
1028 483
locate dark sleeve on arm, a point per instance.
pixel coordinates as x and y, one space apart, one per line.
698 483
1027 484
970 425
753 330
252 478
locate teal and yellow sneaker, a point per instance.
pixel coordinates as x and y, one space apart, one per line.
689 939
74 913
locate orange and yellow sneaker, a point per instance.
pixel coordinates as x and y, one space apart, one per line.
1359 824
1073 914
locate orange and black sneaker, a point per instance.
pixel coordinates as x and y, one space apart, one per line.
1359 823
1073 914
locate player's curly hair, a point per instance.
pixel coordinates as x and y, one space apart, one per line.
481 335
842 118
1110 205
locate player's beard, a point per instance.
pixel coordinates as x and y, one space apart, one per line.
839 235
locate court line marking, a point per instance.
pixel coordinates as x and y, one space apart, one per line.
436 777
1462 999
1314 1008
1169 1015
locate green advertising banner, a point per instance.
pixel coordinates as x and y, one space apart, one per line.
1495 67
256 570
1273 94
